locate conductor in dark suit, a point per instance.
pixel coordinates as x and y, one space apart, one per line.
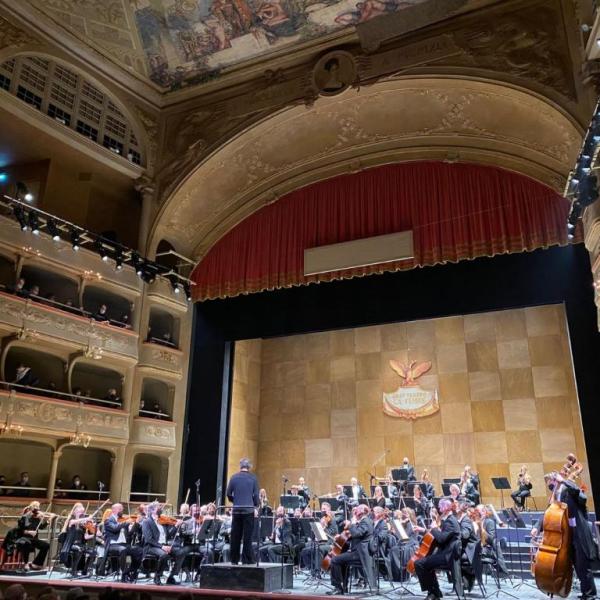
582 543
447 537
242 491
361 532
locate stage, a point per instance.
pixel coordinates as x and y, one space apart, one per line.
34 584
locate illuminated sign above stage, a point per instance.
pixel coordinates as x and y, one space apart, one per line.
410 400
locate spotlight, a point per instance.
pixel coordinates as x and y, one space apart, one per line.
53 229
137 263
570 235
188 292
102 251
119 260
75 239
3 177
22 192
571 226
20 216
34 223
174 282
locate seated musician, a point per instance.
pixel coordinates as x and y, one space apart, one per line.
468 489
264 509
24 537
358 492
382 540
409 468
380 499
454 493
392 487
523 488
407 543
469 539
115 538
134 547
360 530
281 538
447 535
490 545
75 553
212 524
311 557
472 476
421 505
583 548
157 544
429 489
295 491
303 489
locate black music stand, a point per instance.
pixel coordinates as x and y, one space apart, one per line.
290 502
333 502
446 489
451 480
501 483
400 475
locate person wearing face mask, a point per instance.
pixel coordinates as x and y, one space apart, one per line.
78 487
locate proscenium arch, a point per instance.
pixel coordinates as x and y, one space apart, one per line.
424 118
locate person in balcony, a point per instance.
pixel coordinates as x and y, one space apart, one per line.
22 483
70 307
51 390
2 484
34 292
112 396
78 487
58 487
166 339
25 377
159 412
101 313
19 288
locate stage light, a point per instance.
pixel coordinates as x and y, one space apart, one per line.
570 235
188 292
571 226
75 239
53 229
22 192
34 223
20 216
102 251
137 263
3 177
174 282
119 260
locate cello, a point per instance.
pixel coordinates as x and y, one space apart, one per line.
340 544
552 565
426 547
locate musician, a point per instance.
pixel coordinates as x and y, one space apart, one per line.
281 538
405 548
242 490
469 539
421 505
523 490
75 552
157 544
380 499
330 527
490 544
358 492
582 543
22 483
446 534
303 489
468 489
26 536
391 486
409 468
429 489
360 530
454 493
472 476
264 510
115 539
382 540
134 547
303 502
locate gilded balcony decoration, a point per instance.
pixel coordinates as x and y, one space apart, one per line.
161 292
152 432
161 360
61 419
38 319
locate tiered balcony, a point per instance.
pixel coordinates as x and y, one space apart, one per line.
55 321
153 432
161 359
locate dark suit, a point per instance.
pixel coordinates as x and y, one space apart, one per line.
358 555
492 545
446 537
112 531
153 548
272 552
242 490
469 540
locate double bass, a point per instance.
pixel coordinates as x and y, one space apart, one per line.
552 565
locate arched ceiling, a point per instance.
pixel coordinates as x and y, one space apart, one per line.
398 120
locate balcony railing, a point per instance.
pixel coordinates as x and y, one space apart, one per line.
31 410
152 432
162 358
41 318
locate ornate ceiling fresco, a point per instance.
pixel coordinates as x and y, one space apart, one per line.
184 42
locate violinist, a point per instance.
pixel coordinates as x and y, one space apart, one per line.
360 530
264 509
490 546
29 524
115 539
134 547
582 543
523 488
281 538
382 540
75 552
469 539
329 525
446 534
157 532
407 542
421 505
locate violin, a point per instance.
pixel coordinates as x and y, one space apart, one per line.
167 520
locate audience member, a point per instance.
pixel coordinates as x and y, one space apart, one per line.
25 376
34 292
77 486
58 487
22 483
15 592
101 313
112 396
158 411
19 288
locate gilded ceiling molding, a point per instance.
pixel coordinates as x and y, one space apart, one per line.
400 119
13 36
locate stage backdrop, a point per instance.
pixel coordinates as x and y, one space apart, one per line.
311 404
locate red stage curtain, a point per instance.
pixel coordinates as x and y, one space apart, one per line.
456 212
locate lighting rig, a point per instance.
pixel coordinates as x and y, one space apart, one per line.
36 221
582 184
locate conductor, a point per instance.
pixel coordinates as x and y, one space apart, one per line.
242 490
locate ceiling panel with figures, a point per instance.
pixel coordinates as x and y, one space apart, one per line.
177 43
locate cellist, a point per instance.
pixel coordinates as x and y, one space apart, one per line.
582 543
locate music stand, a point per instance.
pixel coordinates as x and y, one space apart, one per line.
451 480
333 502
400 474
290 502
501 483
446 489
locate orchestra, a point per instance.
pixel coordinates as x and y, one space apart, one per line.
414 534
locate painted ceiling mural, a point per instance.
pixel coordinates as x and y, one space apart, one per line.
183 42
